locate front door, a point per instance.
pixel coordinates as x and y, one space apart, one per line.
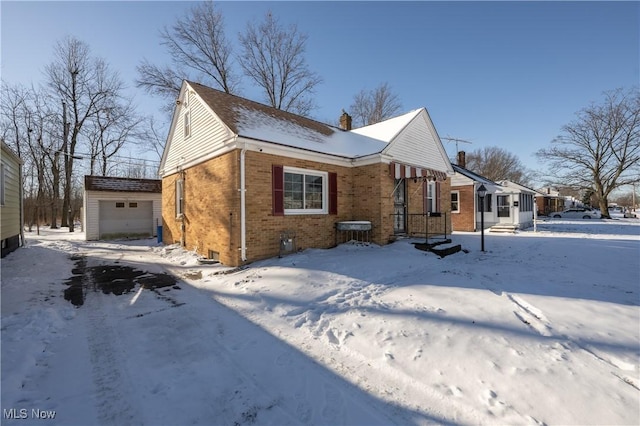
400 207
504 209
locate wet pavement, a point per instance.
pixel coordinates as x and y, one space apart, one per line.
111 279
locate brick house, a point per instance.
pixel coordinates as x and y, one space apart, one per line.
549 200
507 205
237 175
465 203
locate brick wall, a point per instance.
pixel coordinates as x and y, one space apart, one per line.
211 218
212 206
465 220
311 230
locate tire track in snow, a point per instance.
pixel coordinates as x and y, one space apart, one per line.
531 316
535 319
111 383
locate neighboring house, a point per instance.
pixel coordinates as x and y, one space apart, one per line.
10 200
121 207
516 204
465 203
507 205
240 180
549 201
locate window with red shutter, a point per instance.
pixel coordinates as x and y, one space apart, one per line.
333 193
277 177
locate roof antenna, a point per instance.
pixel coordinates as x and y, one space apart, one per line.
456 140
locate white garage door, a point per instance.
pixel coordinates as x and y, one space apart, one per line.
125 218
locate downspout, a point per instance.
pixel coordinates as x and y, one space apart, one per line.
243 207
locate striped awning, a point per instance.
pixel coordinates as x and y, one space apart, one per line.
400 171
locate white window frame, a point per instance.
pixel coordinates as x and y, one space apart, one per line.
179 198
457 194
325 191
431 197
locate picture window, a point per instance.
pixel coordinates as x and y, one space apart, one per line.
305 191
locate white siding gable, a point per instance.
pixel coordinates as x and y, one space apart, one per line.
418 145
207 134
461 180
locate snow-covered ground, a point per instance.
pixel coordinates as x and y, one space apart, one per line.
542 328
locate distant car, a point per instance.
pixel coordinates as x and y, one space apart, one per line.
577 213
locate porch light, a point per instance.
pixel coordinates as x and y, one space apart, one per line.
482 192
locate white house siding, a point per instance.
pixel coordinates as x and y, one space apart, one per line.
10 211
460 180
418 145
208 133
92 208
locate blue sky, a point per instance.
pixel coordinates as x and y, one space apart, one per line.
506 74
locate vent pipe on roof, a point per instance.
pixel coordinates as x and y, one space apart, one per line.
345 121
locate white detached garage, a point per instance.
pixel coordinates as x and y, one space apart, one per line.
121 207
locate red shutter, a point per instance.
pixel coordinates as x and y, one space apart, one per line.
277 177
333 193
437 196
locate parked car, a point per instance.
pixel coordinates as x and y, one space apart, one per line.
616 212
577 213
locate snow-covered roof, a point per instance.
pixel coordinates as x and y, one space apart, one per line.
388 129
515 185
473 176
253 120
257 124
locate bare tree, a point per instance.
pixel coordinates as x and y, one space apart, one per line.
496 164
108 132
154 137
84 85
374 106
273 57
600 150
12 104
28 124
197 44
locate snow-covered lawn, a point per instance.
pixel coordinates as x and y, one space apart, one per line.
542 328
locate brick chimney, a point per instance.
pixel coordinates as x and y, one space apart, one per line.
345 121
462 162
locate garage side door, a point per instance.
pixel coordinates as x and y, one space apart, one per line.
125 218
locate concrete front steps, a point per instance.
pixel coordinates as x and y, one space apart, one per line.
504 228
439 247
